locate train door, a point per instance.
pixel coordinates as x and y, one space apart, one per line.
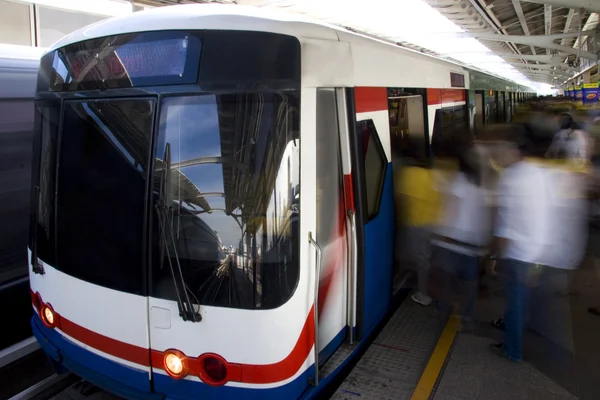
479 113
509 106
501 107
334 216
372 178
410 145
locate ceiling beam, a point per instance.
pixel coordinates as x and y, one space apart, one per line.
546 41
588 5
493 21
522 20
548 22
545 58
567 24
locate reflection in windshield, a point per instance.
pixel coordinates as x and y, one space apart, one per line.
234 179
101 182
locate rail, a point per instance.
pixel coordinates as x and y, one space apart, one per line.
18 350
48 387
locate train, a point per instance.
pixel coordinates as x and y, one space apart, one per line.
18 77
165 136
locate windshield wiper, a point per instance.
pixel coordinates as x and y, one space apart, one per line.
164 208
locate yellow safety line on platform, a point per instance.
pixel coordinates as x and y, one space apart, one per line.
436 362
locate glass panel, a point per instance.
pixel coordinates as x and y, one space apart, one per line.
447 117
102 183
15 23
43 182
54 24
124 61
331 219
375 164
231 208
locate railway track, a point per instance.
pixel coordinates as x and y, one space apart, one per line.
26 375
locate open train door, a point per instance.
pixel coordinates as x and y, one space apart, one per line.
373 191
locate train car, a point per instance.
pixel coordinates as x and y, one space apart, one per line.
18 76
284 128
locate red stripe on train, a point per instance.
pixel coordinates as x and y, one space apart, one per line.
370 99
247 373
444 96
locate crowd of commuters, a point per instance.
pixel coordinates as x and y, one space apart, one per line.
509 204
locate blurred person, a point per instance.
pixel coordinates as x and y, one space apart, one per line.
570 142
461 237
567 235
520 235
417 206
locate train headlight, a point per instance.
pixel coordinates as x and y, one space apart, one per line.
175 364
48 316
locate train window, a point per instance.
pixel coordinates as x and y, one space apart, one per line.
375 165
460 114
42 238
447 116
227 211
103 160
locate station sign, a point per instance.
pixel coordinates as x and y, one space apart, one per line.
578 92
590 93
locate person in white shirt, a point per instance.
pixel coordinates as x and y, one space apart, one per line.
463 234
570 142
521 236
541 236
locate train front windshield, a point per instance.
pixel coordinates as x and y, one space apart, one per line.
167 164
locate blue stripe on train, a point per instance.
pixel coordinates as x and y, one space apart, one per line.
379 257
109 375
134 384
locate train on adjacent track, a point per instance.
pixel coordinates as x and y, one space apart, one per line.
18 77
213 210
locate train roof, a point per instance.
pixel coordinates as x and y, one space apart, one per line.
222 16
11 51
235 17
18 70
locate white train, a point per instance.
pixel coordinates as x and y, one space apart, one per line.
168 135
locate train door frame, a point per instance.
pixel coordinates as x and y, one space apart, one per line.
479 120
367 110
356 194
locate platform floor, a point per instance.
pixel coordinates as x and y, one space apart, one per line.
420 354
393 364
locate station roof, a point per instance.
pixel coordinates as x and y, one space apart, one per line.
540 38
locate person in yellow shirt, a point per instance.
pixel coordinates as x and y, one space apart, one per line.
416 212
419 201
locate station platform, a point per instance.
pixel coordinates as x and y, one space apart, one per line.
421 354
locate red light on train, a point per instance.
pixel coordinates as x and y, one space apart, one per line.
213 369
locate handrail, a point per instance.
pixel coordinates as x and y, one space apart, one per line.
312 242
350 281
